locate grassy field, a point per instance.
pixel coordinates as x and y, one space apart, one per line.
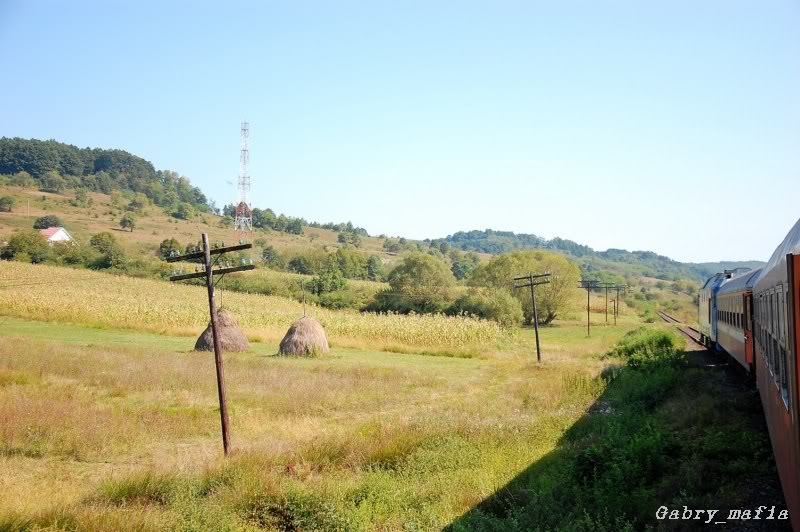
121 427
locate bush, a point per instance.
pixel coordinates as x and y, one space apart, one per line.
22 179
48 221
128 221
647 347
7 203
272 258
496 305
53 182
26 246
168 248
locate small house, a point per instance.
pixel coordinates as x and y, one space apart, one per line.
56 234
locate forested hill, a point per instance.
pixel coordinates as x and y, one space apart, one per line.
55 166
622 261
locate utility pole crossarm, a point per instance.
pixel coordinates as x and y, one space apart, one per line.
222 271
532 282
214 251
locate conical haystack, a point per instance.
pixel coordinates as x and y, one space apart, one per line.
230 335
305 337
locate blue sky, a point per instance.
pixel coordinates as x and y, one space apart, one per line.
668 126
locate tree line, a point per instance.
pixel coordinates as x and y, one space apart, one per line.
54 167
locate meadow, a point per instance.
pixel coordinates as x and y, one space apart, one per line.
121 427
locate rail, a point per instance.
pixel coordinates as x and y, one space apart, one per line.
690 332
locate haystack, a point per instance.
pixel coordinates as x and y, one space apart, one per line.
305 337
230 335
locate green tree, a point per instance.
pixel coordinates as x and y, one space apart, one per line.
272 258
7 203
352 264
552 299
420 283
184 212
464 264
128 221
103 242
301 264
342 238
82 198
491 304
138 203
28 246
53 182
45 222
22 179
374 268
169 248
294 226
330 279
110 253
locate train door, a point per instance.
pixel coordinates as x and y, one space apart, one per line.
747 326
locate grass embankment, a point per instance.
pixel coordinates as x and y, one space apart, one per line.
97 299
661 433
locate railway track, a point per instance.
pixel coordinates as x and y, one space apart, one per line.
691 332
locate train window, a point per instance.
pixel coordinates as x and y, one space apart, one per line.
777 361
784 379
781 316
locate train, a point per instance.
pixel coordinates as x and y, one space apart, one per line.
753 316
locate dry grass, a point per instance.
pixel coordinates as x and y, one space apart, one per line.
129 436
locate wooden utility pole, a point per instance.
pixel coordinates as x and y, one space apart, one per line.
614 306
533 282
588 285
619 287
223 402
208 273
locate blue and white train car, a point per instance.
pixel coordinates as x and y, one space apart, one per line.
707 302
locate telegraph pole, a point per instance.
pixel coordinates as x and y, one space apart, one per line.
588 286
208 273
533 281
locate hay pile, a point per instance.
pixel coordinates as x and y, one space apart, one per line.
230 335
305 337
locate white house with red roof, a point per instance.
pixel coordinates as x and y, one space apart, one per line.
56 234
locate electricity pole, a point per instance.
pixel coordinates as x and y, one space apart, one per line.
588 286
208 272
533 281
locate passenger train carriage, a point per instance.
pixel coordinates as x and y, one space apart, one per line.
755 318
735 318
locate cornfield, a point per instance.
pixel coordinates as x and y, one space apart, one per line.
98 299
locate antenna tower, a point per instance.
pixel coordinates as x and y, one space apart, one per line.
243 221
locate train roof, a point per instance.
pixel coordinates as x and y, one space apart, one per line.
775 270
740 283
714 281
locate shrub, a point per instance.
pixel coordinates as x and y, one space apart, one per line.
53 182
272 258
48 221
646 347
26 246
7 203
128 221
169 248
22 179
497 305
